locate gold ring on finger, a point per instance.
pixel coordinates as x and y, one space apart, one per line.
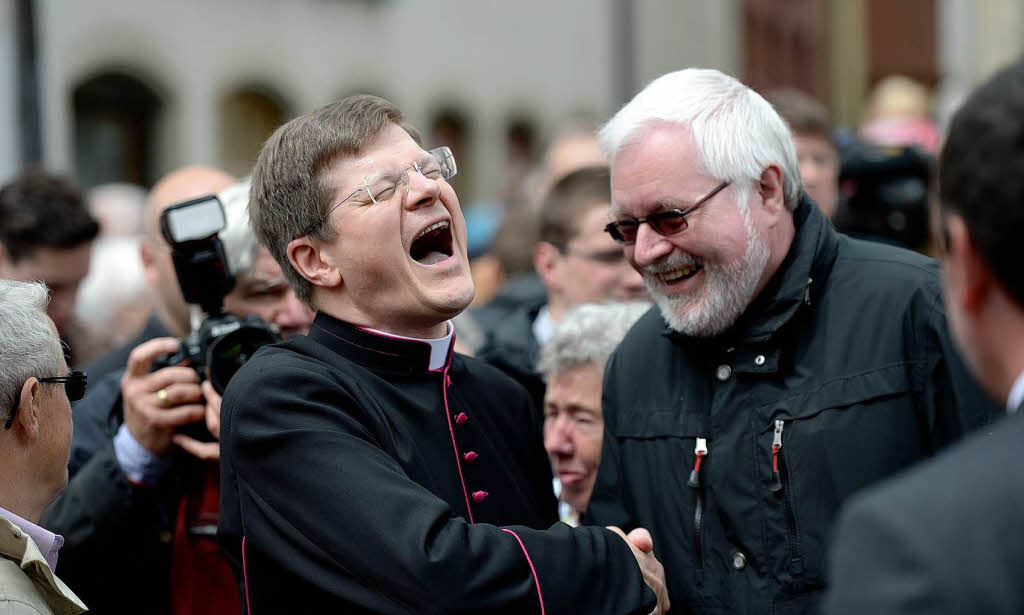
162 396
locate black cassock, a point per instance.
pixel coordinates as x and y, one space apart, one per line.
356 480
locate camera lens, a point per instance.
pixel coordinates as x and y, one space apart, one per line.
229 353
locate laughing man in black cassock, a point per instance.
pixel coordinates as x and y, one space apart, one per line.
366 467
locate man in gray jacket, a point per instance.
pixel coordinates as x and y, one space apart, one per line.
947 538
35 443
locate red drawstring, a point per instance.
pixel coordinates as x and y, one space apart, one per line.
695 475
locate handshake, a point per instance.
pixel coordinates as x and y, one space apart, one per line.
642 546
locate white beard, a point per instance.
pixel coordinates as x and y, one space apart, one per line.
726 292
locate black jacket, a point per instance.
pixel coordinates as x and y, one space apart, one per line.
512 348
526 290
945 538
843 360
118 535
117 359
356 480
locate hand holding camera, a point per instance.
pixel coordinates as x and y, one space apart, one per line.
158 403
207 451
222 342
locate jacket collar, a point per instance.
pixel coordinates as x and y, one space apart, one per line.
154 328
16 545
374 349
797 282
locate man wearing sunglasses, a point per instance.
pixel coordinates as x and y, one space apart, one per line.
366 467
786 367
35 444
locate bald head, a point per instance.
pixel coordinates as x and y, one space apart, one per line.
571 151
182 185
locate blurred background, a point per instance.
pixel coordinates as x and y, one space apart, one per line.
124 91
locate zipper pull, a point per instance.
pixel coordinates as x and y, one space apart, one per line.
776 447
700 451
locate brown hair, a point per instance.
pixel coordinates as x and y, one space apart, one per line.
570 199
39 209
290 193
803 114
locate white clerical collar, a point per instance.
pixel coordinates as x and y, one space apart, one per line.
438 347
1016 394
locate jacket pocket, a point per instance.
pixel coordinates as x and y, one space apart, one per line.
815 448
782 488
669 456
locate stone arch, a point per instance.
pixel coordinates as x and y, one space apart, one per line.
451 125
115 115
521 147
246 116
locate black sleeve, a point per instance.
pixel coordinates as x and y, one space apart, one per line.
319 501
951 404
606 501
106 521
92 415
537 462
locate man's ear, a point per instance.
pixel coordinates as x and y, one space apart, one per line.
769 188
148 259
26 421
5 261
306 257
547 259
972 274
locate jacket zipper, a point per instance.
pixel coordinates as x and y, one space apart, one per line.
781 482
700 451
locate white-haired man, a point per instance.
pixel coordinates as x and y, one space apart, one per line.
35 441
572 363
797 365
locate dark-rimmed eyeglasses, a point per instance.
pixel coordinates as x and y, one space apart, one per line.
669 222
378 187
74 387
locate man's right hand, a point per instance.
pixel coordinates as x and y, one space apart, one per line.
157 403
642 546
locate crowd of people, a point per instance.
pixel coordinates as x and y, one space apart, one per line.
672 385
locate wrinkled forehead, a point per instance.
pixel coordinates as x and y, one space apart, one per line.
388 152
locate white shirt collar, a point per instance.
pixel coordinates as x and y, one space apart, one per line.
49 544
543 326
1016 394
438 347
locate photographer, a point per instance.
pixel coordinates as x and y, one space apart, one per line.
170 313
141 492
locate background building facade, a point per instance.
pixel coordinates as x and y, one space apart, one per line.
111 90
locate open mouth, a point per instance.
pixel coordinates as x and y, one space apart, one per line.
433 244
675 276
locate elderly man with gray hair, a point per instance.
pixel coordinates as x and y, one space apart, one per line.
787 367
35 394
572 363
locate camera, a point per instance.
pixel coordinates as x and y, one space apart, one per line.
223 342
884 194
